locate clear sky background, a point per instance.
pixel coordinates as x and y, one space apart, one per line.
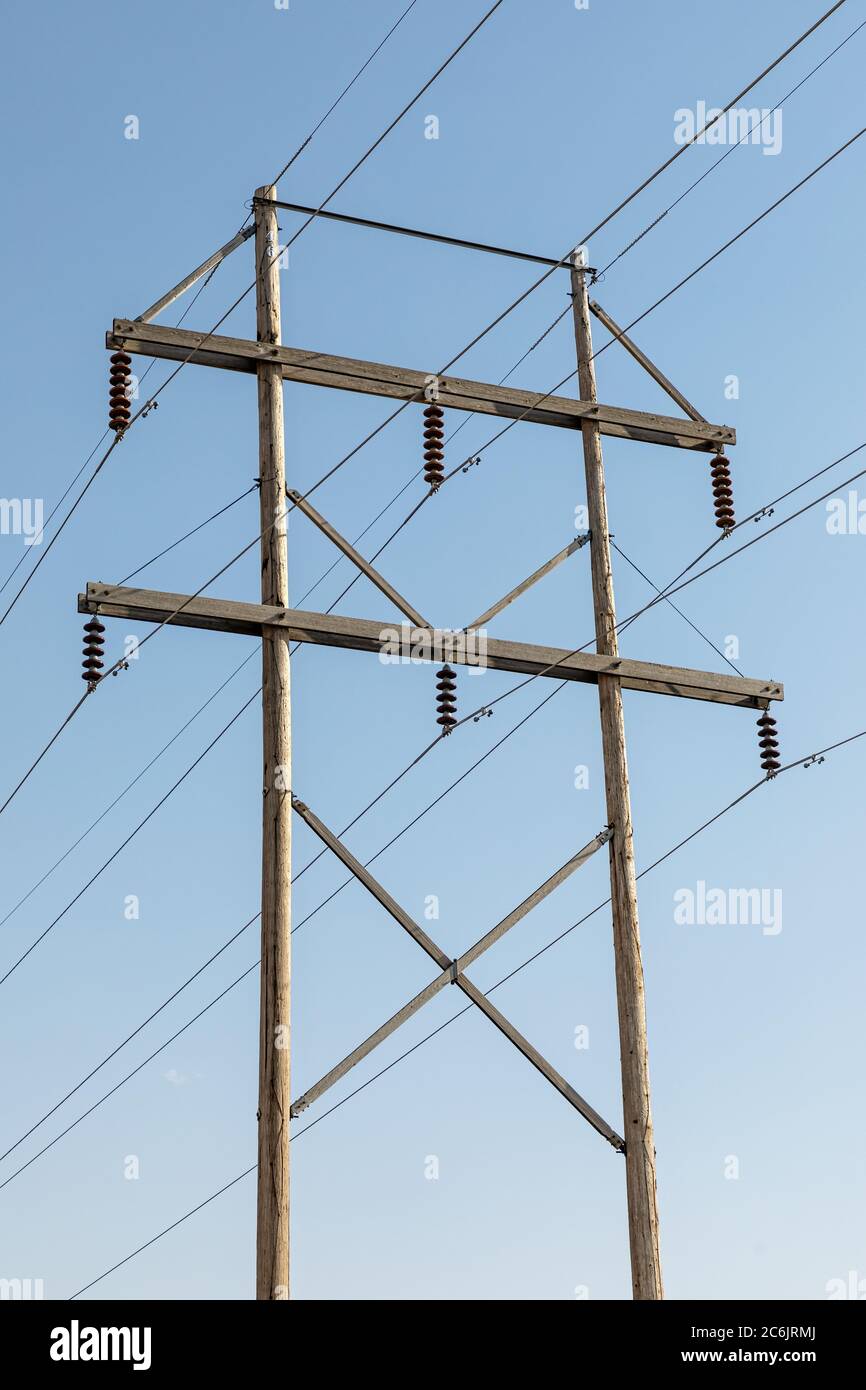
546 120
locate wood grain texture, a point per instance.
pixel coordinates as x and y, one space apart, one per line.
450 973
648 365
640 1158
352 554
365 634
272 1224
403 384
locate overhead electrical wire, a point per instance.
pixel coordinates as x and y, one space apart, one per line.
128 1039
599 275
348 87
473 715
70 485
137 778
494 323
668 162
110 860
756 125
148 405
538 400
330 472
300 149
662 595
798 762
543 395
467 772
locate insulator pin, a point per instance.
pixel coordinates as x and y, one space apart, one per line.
433 446
769 745
94 644
120 379
446 698
723 493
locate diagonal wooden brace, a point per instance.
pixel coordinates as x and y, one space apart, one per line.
521 588
299 501
452 972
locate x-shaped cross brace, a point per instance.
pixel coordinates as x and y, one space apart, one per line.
452 973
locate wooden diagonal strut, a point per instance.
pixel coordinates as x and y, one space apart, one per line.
648 365
357 559
643 1218
451 973
519 589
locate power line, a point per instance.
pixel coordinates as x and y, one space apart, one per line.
50 744
148 405
619 550
222 511
557 265
203 286
137 778
349 177
349 85
128 1039
540 398
564 259
650 867
131 836
743 139
680 151
403 112
675 588
661 595
96 471
303 145
174 1224
295 878
493 749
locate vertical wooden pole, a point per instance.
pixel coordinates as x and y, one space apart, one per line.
272 1225
643 1221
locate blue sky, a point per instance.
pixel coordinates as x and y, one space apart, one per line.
545 121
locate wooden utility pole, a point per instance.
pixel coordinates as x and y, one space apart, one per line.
643 1220
272 1224
276 625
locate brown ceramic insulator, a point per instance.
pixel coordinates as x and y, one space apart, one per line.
94 643
433 441
119 378
768 741
446 703
723 495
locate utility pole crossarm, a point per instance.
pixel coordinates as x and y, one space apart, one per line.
403 384
362 634
451 973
